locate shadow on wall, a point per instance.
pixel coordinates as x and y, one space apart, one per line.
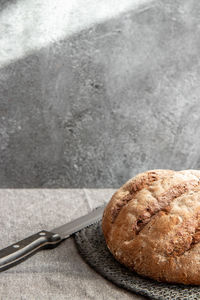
116 99
5 3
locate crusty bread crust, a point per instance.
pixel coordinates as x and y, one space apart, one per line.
152 225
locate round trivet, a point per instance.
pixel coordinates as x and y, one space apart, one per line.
92 247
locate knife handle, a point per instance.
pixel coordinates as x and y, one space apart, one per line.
18 252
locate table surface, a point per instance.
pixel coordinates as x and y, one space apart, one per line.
60 273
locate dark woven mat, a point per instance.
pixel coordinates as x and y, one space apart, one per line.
92 247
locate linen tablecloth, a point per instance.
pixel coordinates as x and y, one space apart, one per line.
56 274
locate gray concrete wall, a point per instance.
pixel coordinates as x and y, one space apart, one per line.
93 108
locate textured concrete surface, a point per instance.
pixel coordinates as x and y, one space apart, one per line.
95 108
56 274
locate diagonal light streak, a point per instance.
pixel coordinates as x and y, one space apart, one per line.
26 26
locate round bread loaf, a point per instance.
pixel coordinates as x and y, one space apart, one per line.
152 225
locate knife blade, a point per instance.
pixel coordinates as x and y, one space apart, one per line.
17 252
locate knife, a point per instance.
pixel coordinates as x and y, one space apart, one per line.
23 249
